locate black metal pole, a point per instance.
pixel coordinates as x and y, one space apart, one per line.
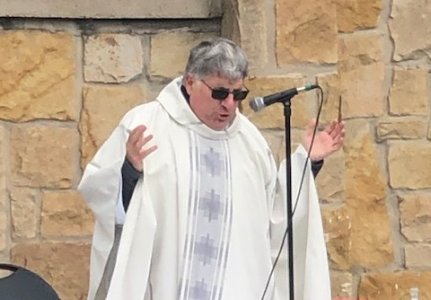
287 115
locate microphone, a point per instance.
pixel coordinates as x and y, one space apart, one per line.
260 103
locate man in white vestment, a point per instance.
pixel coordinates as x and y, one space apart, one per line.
205 203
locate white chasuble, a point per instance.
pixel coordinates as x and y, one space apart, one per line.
203 218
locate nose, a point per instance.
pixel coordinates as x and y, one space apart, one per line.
229 101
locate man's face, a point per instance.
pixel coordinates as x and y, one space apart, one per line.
215 113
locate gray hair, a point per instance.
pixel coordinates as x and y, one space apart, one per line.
218 57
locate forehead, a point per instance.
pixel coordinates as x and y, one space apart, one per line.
216 81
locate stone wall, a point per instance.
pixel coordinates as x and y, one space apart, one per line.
65 83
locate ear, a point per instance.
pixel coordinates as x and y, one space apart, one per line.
189 83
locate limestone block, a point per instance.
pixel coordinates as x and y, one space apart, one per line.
415 217
63 265
362 75
170 51
25 212
332 91
4 256
401 128
409 164
409 93
65 213
37 72
357 14
246 22
4 202
112 58
341 285
272 117
330 180
305 31
112 9
337 226
418 256
43 156
4 230
153 89
410 27
365 194
102 109
396 285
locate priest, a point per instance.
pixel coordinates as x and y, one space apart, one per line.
205 203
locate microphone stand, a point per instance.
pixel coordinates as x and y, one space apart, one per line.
287 115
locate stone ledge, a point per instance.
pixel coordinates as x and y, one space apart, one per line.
111 9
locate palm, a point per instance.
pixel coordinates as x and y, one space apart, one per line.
325 142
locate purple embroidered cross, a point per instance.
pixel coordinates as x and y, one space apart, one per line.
213 162
199 290
211 205
205 249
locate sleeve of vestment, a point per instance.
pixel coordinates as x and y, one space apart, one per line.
311 271
101 188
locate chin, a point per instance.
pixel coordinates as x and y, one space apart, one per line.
219 126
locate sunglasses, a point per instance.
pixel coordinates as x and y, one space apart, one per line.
222 93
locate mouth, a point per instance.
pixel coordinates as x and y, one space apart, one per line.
224 115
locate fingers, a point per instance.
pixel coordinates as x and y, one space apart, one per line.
331 129
141 144
145 153
142 141
137 138
335 129
136 134
136 144
340 130
338 135
338 143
